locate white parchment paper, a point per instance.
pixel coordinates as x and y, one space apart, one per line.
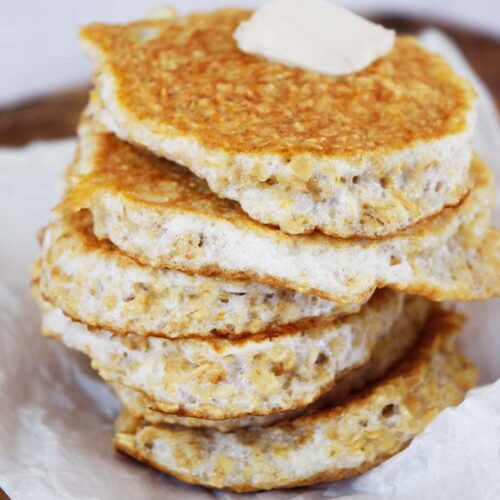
56 416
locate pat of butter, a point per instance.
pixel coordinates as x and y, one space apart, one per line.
314 35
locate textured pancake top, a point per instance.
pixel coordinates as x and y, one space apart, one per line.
186 77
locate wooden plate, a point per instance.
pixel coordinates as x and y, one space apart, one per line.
56 116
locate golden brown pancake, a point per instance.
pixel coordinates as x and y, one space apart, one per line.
332 444
94 282
364 155
388 351
163 216
258 375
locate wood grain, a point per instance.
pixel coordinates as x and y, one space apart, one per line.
56 116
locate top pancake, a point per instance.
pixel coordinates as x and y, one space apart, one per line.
288 144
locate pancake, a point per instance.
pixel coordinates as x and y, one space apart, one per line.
217 378
92 281
332 444
163 216
366 155
388 350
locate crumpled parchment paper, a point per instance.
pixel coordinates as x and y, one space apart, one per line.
56 416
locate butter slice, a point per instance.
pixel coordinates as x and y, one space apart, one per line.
314 35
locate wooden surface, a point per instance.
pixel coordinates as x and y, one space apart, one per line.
56 116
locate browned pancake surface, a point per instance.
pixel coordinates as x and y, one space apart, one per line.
186 76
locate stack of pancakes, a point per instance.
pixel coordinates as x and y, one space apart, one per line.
249 252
